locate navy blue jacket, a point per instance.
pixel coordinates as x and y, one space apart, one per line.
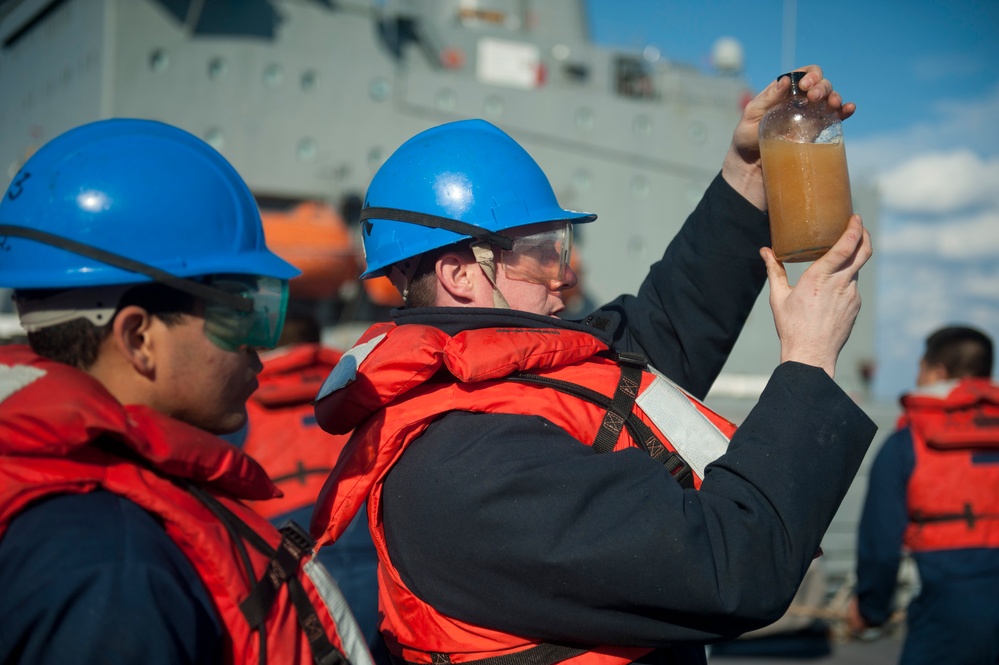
94 578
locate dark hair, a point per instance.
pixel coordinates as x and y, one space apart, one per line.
78 342
963 352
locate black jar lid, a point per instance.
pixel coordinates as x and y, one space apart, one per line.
795 78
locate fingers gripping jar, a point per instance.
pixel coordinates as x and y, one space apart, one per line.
805 175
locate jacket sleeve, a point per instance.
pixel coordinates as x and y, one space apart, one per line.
508 522
882 527
93 578
689 311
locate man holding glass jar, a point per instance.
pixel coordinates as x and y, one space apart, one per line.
551 491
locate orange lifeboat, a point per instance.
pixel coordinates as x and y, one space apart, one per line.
314 238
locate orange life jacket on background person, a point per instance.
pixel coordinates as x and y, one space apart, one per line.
61 432
397 380
282 433
953 493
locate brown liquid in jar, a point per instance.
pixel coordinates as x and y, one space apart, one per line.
808 194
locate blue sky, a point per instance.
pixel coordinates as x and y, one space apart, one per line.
925 77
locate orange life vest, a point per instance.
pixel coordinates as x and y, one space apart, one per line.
282 432
61 432
396 380
953 500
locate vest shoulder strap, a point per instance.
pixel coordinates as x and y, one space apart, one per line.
620 414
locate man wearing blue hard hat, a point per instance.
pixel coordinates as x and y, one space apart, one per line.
546 491
140 273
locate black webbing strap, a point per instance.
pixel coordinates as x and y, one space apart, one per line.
967 515
323 651
281 569
675 465
620 409
435 222
542 654
188 286
639 431
235 526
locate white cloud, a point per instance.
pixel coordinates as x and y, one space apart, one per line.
970 121
949 125
953 238
934 67
941 183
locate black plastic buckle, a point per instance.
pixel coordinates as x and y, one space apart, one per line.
632 359
297 538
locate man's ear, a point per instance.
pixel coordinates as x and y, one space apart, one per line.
456 276
131 338
930 373
938 372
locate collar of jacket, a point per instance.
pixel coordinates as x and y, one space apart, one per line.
453 320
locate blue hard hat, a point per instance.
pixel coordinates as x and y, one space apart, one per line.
465 179
123 193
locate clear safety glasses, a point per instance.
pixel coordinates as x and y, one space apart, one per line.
540 258
230 329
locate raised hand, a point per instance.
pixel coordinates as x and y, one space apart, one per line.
815 316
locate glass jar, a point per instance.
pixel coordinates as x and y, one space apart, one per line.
805 175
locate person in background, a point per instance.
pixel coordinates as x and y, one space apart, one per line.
142 278
282 434
934 491
542 490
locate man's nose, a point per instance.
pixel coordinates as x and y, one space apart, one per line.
568 280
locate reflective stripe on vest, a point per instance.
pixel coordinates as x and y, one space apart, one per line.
695 438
